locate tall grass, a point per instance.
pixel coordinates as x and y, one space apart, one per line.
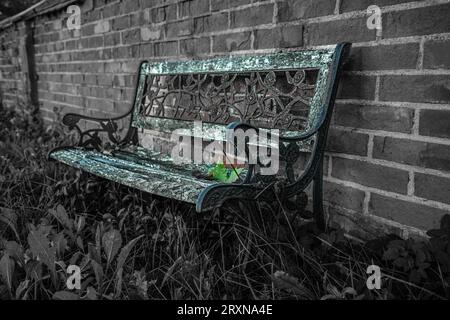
131 245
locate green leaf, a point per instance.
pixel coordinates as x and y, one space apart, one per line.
7 270
223 174
111 241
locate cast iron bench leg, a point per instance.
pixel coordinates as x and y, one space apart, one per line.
319 214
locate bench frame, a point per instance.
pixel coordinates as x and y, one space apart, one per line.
215 195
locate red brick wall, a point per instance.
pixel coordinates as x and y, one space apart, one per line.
388 160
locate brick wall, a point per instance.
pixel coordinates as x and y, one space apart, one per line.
12 76
388 160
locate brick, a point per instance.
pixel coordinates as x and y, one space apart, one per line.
352 5
130 6
211 23
180 28
111 10
279 37
195 47
289 10
102 27
162 14
112 39
237 3
343 196
435 123
332 32
137 18
374 117
415 22
432 187
357 87
169 48
436 54
146 50
252 16
407 213
232 42
131 36
340 141
194 8
92 42
87 30
121 52
371 175
217 5
121 23
415 88
150 34
384 57
410 152
105 79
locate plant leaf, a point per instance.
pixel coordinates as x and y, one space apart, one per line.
223 174
9 217
15 251
118 283
60 244
170 271
98 272
91 294
123 255
7 270
61 215
41 249
21 288
111 241
285 281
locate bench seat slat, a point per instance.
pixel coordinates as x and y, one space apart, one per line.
149 178
211 131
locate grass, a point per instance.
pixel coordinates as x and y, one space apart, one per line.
131 245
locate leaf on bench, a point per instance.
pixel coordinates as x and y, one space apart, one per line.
223 174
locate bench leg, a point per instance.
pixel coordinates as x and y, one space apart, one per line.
319 213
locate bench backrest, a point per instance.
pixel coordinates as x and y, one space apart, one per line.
290 91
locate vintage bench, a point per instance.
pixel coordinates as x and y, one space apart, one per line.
292 91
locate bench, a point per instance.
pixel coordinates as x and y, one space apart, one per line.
292 92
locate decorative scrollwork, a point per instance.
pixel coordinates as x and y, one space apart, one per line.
91 138
267 99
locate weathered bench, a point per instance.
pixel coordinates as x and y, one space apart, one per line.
292 91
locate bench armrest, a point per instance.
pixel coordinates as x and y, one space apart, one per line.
90 138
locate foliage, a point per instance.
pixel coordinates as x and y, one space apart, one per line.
130 245
222 173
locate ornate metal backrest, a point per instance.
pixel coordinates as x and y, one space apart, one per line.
288 91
